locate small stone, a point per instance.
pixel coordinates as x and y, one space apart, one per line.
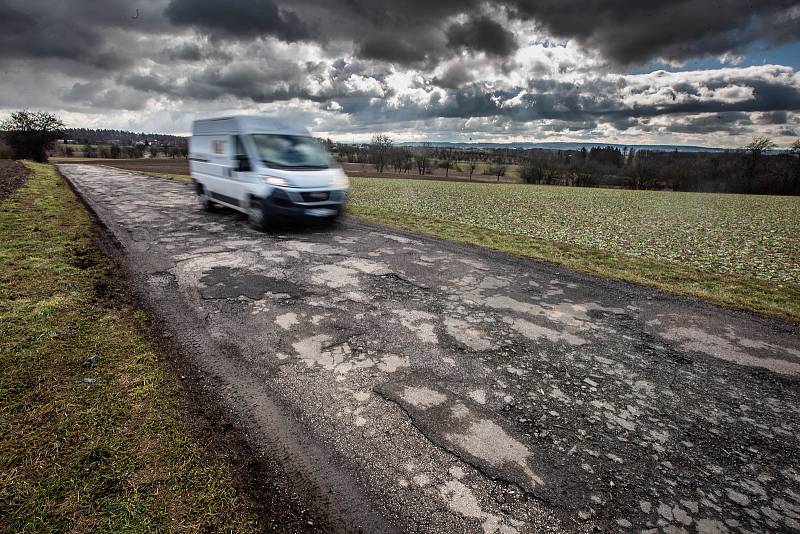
691 505
738 498
88 380
624 523
711 526
681 515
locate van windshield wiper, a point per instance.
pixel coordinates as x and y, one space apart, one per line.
275 165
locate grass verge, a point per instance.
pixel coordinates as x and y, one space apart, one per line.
727 290
96 448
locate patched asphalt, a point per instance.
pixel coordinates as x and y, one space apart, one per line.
419 385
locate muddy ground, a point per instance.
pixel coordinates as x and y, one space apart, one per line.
12 176
411 384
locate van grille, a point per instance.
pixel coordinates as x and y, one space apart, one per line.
315 196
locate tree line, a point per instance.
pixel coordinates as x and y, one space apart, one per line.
756 168
34 135
87 136
753 169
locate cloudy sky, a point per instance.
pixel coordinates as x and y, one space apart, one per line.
710 72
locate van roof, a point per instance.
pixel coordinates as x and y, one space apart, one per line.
245 124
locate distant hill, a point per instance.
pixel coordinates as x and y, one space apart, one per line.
88 136
557 145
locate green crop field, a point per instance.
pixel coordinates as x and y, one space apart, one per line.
737 250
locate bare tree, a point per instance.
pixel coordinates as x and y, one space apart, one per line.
421 158
758 146
754 150
795 151
472 166
30 134
498 169
379 149
446 164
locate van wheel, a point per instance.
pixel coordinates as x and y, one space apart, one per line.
205 201
256 217
331 222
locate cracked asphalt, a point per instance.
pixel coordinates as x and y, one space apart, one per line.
418 385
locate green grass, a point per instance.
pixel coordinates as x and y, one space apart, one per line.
110 456
736 250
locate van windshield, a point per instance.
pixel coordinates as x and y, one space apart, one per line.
291 152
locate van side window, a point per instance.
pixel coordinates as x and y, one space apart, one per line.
242 160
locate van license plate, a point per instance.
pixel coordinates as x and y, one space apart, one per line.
321 212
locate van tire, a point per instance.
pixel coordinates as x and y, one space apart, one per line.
256 215
205 200
331 222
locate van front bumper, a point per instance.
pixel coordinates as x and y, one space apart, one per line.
313 204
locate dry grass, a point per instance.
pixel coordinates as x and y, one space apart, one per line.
102 448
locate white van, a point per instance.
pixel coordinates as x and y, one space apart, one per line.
264 168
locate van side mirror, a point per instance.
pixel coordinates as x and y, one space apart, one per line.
243 164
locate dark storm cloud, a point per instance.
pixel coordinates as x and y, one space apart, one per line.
630 32
401 61
454 77
76 33
624 31
774 117
733 122
95 94
185 52
482 35
240 19
405 32
392 50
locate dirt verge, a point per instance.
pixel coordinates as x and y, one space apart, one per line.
12 176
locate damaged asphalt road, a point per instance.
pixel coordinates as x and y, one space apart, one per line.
418 385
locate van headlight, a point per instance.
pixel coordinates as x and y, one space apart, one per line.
274 180
340 181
